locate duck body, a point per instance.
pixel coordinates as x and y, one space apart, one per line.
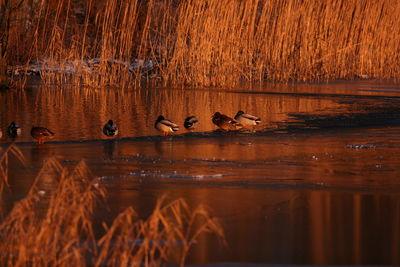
110 129
13 130
225 123
41 134
165 126
191 123
247 120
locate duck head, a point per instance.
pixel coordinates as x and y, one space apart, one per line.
160 118
239 113
216 115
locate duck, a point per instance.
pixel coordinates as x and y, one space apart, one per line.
191 123
13 130
225 123
110 129
41 134
247 120
165 126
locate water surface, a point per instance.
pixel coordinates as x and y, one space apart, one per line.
317 183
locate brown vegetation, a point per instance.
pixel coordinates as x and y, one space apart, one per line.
55 227
212 43
7 8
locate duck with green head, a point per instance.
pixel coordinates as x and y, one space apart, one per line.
190 123
165 126
13 130
110 129
247 120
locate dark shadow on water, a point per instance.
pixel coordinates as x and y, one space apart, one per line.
389 116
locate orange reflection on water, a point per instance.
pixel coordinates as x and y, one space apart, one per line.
303 197
80 113
306 227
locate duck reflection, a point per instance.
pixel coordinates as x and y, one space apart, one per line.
166 147
109 148
40 152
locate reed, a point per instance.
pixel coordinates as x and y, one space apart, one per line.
4 161
223 42
62 234
54 226
170 225
219 42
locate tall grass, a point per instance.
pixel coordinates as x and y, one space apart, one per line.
222 42
55 227
4 161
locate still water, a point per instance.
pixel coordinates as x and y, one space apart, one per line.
317 183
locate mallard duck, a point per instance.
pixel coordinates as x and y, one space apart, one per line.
165 126
13 130
247 120
110 128
191 123
41 134
225 123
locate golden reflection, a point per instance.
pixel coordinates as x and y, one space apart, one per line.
80 113
323 226
308 227
345 225
263 219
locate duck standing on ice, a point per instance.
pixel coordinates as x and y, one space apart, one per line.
225 123
41 134
248 121
165 126
13 130
191 123
110 129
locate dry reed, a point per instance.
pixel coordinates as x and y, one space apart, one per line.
4 161
217 42
54 227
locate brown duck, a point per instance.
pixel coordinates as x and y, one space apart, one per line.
41 134
225 123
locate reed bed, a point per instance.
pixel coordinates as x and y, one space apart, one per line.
54 227
217 42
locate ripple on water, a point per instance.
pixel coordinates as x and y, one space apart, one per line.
175 175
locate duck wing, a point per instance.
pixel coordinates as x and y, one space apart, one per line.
251 117
229 120
47 132
169 123
41 131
